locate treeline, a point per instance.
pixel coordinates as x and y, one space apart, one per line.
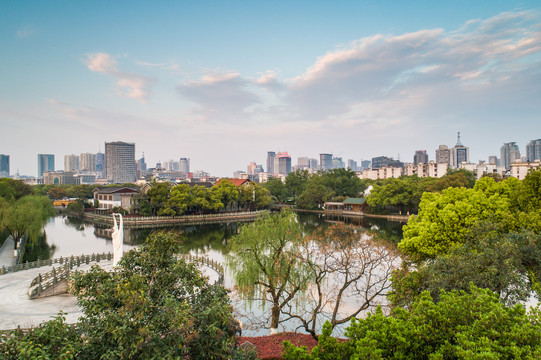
164 200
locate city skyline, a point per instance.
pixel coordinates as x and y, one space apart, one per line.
224 83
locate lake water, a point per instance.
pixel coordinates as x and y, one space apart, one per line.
71 236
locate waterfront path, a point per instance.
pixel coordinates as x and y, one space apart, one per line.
16 308
6 253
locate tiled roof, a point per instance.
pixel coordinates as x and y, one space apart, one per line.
113 190
355 201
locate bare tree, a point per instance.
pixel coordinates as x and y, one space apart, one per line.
350 273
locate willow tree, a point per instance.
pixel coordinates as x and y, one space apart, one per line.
265 262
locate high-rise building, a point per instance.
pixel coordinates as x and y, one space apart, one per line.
303 163
87 162
365 164
4 165
120 162
493 160
71 163
338 163
384 161
172 165
283 163
100 165
420 157
352 165
45 163
313 164
533 150
270 161
443 155
509 153
325 162
459 154
184 165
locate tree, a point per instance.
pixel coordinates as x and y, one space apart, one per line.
154 305
226 192
253 196
264 260
444 219
313 197
277 189
157 196
462 325
25 216
57 192
296 182
340 182
349 274
403 193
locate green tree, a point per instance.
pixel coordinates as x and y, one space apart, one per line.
226 192
157 196
340 182
462 325
264 260
153 306
296 182
277 189
253 196
18 189
57 192
313 197
403 193
25 216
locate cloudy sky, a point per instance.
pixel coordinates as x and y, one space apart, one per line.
223 82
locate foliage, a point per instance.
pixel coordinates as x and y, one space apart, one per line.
53 340
349 274
263 258
25 216
185 199
153 306
253 196
157 196
296 182
77 206
462 325
507 264
403 193
12 190
313 197
57 192
226 192
277 189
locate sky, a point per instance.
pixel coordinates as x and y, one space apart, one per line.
223 82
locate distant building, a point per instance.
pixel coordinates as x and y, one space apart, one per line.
365 164
71 163
4 165
45 163
87 162
384 161
111 197
459 154
270 161
254 169
338 163
420 157
100 165
184 165
282 163
429 169
172 165
313 164
519 170
443 155
384 172
303 163
59 178
509 153
493 160
352 165
325 162
533 150
120 162
482 169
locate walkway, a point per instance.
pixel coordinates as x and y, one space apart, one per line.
6 253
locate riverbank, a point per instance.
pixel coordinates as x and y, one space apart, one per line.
139 222
399 218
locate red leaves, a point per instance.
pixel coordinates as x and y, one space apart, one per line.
271 347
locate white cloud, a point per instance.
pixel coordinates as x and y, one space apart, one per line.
128 85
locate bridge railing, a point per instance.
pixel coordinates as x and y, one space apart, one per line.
135 219
51 278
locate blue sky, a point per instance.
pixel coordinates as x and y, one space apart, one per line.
223 82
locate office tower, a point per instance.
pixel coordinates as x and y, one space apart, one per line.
493 160
509 153
384 161
4 165
352 165
420 157
443 155
45 163
100 165
312 164
284 163
303 163
533 150
120 162
172 165
459 154
87 162
325 162
365 164
184 165
338 163
141 164
71 163
270 161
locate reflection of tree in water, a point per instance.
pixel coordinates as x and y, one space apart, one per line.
38 249
382 228
74 222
